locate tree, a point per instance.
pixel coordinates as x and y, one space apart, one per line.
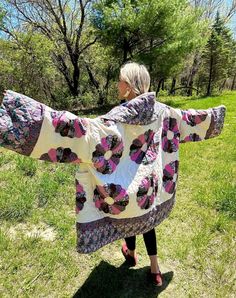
26 65
157 33
62 22
217 56
193 61
101 68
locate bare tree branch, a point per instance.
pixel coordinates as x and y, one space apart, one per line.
88 45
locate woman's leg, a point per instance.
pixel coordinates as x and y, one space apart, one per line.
151 246
131 244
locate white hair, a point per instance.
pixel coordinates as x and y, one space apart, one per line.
137 76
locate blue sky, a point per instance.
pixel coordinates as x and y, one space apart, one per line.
232 23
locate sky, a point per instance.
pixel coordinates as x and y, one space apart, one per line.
232 23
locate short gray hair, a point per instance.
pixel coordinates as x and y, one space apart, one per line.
137 76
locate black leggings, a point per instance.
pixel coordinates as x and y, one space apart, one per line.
149 239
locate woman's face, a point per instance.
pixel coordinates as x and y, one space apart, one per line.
123 87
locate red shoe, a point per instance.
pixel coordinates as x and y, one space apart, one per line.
156 278
132 261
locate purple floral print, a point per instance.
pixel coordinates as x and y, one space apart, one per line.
141 110
192 119
107 155
193 137
111 198
95 234
217 122
152 150
72 128
147 192
80 196
21 119
60 155
170 135
170 176
140 146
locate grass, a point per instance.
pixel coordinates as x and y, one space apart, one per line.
196 244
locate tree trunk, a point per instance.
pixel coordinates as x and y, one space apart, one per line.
64 70
194 69
125 50
101 98
210 77
198 85
172 90
76 75
190 89
159 85
151 65
102 91
108 78
233 83
163 84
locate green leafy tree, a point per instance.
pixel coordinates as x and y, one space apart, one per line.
101 67
217 57
157 33
26 66
62 23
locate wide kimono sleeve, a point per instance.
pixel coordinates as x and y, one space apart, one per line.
197 125
33 129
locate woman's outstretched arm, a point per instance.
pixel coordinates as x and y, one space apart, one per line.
197 125
34 129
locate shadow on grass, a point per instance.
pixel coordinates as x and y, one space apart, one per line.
109 281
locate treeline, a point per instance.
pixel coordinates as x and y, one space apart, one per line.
68 53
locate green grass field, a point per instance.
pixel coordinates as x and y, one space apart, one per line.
196 244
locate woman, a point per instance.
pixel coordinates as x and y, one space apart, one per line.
128 159
135 80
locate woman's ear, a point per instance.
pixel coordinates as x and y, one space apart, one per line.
127 93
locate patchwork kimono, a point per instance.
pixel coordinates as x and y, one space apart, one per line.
128 159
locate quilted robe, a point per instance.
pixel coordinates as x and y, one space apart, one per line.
128 159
